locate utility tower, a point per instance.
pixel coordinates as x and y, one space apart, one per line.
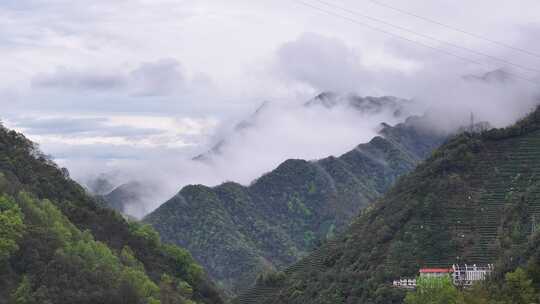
471 127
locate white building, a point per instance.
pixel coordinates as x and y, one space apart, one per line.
466 275
405 283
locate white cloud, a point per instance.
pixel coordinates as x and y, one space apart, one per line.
163 77
64 78
322 63
160 78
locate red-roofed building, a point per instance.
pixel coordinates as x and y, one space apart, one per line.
462 275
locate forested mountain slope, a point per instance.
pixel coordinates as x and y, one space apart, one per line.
475 201
236 232
59 245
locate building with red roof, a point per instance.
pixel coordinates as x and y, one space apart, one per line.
461 275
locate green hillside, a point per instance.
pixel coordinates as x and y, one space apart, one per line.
236 232
59 245
475 201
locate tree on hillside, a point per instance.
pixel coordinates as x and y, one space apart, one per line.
11 227
518 288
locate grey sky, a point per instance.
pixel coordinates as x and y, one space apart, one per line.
144 78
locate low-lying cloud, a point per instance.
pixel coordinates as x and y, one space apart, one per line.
81 127
275 132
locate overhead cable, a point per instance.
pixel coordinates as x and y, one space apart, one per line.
357 13
456 29
439 50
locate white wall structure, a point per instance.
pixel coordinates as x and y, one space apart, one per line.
466 275
405 283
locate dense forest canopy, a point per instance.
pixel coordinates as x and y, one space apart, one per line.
59 245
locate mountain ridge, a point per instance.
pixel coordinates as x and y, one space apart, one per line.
285 213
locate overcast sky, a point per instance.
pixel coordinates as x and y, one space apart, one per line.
105 80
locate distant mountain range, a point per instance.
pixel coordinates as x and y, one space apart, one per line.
237 232
365 105
133 197
368 106
499 76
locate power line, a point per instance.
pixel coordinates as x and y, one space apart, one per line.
386 32
456 29
407 39
428 37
